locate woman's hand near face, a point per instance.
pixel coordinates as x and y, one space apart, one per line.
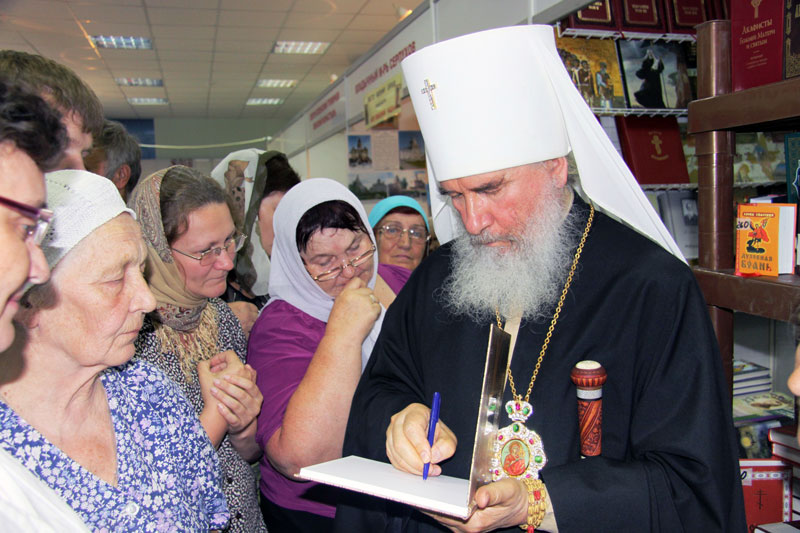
354 312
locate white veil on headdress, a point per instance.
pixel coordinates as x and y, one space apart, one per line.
288 279
502 98
258 257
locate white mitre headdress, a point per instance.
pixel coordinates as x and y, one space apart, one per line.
502 98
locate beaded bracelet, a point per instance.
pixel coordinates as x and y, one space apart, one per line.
537 504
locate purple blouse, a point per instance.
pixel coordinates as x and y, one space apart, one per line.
282 342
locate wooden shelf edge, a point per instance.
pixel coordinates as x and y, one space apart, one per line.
748 110
775 298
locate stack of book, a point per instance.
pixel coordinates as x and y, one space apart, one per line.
786 448
754 415
750 378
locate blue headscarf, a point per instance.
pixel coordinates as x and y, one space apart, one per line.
387 204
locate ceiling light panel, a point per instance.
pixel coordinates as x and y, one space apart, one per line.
300 47
139 82
264 101
148 101
276 84
127 43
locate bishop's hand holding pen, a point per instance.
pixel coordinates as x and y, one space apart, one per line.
407 441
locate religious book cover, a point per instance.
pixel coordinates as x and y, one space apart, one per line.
655 73
792 155
652 148
759 158
683 15
756 43
765 239
678 210
767 489
641 16
762 406
754 440
593 66
598 15
745 370
791 39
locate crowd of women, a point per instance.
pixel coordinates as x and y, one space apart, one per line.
160 348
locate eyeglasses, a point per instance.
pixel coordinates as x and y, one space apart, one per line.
207 258
334 272
394 231
43 216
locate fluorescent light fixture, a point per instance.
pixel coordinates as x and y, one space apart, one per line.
299 47
139 82
264 101
277 84
129 43
148 101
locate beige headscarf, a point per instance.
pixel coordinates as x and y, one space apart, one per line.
184 323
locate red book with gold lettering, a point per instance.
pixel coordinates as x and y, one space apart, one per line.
756 43
653 150
598 15
683 15
640 16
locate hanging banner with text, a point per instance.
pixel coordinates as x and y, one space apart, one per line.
384 102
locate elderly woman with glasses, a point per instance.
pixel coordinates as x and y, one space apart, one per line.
401 228
192 335
312 341
114 438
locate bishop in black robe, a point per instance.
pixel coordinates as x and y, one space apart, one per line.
669 460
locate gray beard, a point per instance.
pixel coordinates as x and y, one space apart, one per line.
528 277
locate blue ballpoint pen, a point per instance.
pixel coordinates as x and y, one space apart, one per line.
432 429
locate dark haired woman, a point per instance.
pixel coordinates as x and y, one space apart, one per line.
312 341
255 181
192 335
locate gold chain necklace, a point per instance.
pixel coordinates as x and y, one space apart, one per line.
518 451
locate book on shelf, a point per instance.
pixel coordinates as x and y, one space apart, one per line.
791 39
779 527
593 66
759 157
786 436
756 43
598 15
652 148
762 406
767 490
765 239
751 389
640 16
678 210
655 74
683 15
768 199
750 383
791 142
754 440
743 370
786 453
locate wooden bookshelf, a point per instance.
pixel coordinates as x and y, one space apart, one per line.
713 119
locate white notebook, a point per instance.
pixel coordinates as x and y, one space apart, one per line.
442 494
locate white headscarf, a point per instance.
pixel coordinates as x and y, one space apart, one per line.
81 203
259 257
502 98
288 279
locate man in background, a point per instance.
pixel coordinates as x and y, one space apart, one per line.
81 111
117 156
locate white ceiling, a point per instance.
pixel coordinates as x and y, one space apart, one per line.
210 53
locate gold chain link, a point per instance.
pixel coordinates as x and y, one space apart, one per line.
555 315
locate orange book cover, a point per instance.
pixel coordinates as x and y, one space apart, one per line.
765 239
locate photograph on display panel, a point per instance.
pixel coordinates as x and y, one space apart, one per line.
593 66
655 73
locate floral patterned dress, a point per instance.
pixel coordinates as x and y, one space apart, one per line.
167 470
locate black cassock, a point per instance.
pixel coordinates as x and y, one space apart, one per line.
669 460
